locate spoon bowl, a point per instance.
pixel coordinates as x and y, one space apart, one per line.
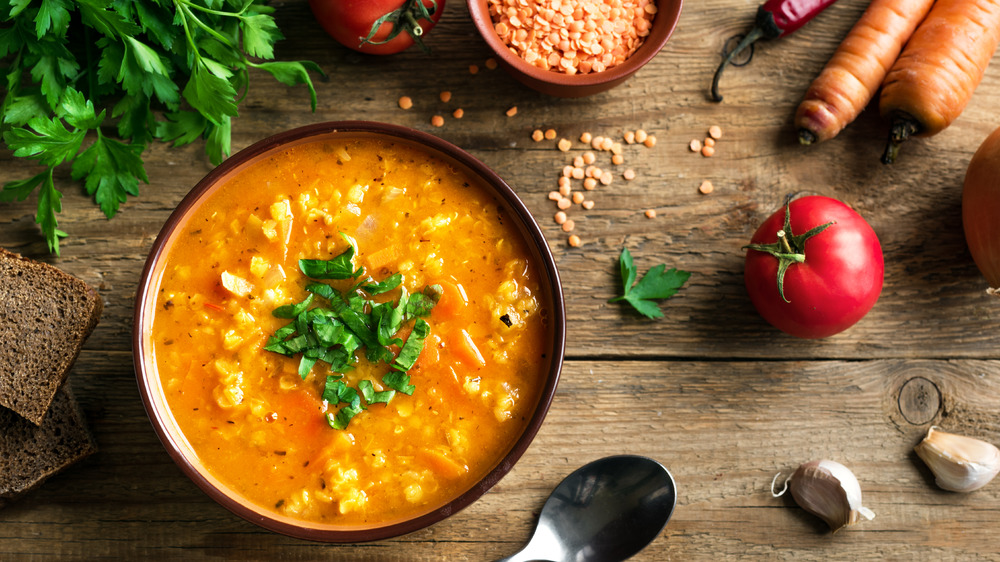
609 509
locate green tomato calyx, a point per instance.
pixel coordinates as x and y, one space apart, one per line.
790 248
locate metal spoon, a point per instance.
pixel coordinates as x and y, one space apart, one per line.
609 509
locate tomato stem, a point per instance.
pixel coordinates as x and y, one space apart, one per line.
405 18
789 249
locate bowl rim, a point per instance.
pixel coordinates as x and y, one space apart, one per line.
479 11
526 224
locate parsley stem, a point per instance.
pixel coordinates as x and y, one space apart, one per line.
218 36
208 10
183 12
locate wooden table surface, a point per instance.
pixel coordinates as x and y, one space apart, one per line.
710 390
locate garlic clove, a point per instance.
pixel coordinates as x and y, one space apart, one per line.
830 491
959 463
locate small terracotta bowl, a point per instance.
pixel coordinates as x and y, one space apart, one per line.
151 387
577 85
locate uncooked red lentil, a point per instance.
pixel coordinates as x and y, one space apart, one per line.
606 178
595 143
567 171
707 151
578 173
458 113
577 197
695 145
565 190
564 203
568 225
589 158
589 184
706 187
537 135
405 102
640 135
473 69
650 141
563 180
585 138
550 134
575 241
564 145
555 195
629 137
437 121
512 111
587 204
629 174
616 148
606 144
715 132
709 141
445 96
617 159
491 63
572 36
560 217
579 161
650 213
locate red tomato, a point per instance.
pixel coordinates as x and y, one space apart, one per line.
834 268
981 209
350 22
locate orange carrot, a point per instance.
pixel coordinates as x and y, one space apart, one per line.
466 350
452 302
378 259
443 465
944 61
856 70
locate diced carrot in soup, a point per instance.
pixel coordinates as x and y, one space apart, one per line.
257 424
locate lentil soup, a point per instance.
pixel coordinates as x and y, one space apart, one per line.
262 430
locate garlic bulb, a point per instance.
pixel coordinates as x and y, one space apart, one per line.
830 491
960 463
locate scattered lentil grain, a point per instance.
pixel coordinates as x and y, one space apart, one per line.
560 217
445 96
706 187
587 204
405 102
564 145
589 184
491 63
512 111
569 225
565 190
629 174
564 203
650 213
650 141
715 132
695 145
709 141
585 138
437 121
606 144
458 113
606 178
579 161
537 135
550 134
589 158
567 171
617 159
554 195
577 197
575 241
473 69
640 136
707 151
596 143
629 137
578 173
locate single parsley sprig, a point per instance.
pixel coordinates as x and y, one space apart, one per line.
349 321
174 70
656 284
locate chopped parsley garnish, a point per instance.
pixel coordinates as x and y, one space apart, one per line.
330 326
656 284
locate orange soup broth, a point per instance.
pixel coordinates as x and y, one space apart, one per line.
257 425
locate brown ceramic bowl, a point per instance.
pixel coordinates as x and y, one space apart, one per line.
577 85
153 394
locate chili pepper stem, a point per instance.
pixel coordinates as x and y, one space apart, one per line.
755 34
903 127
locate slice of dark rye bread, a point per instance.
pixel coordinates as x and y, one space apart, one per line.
29 453
45 316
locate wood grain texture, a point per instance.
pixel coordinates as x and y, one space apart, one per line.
712 391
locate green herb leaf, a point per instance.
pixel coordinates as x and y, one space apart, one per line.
212 96
656 284
386 285
410 352
421 304
399 381
340 267
112 170
292 310
368 392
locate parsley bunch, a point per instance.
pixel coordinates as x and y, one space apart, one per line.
119 73
349 321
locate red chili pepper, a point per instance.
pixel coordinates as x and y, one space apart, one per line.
775 18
